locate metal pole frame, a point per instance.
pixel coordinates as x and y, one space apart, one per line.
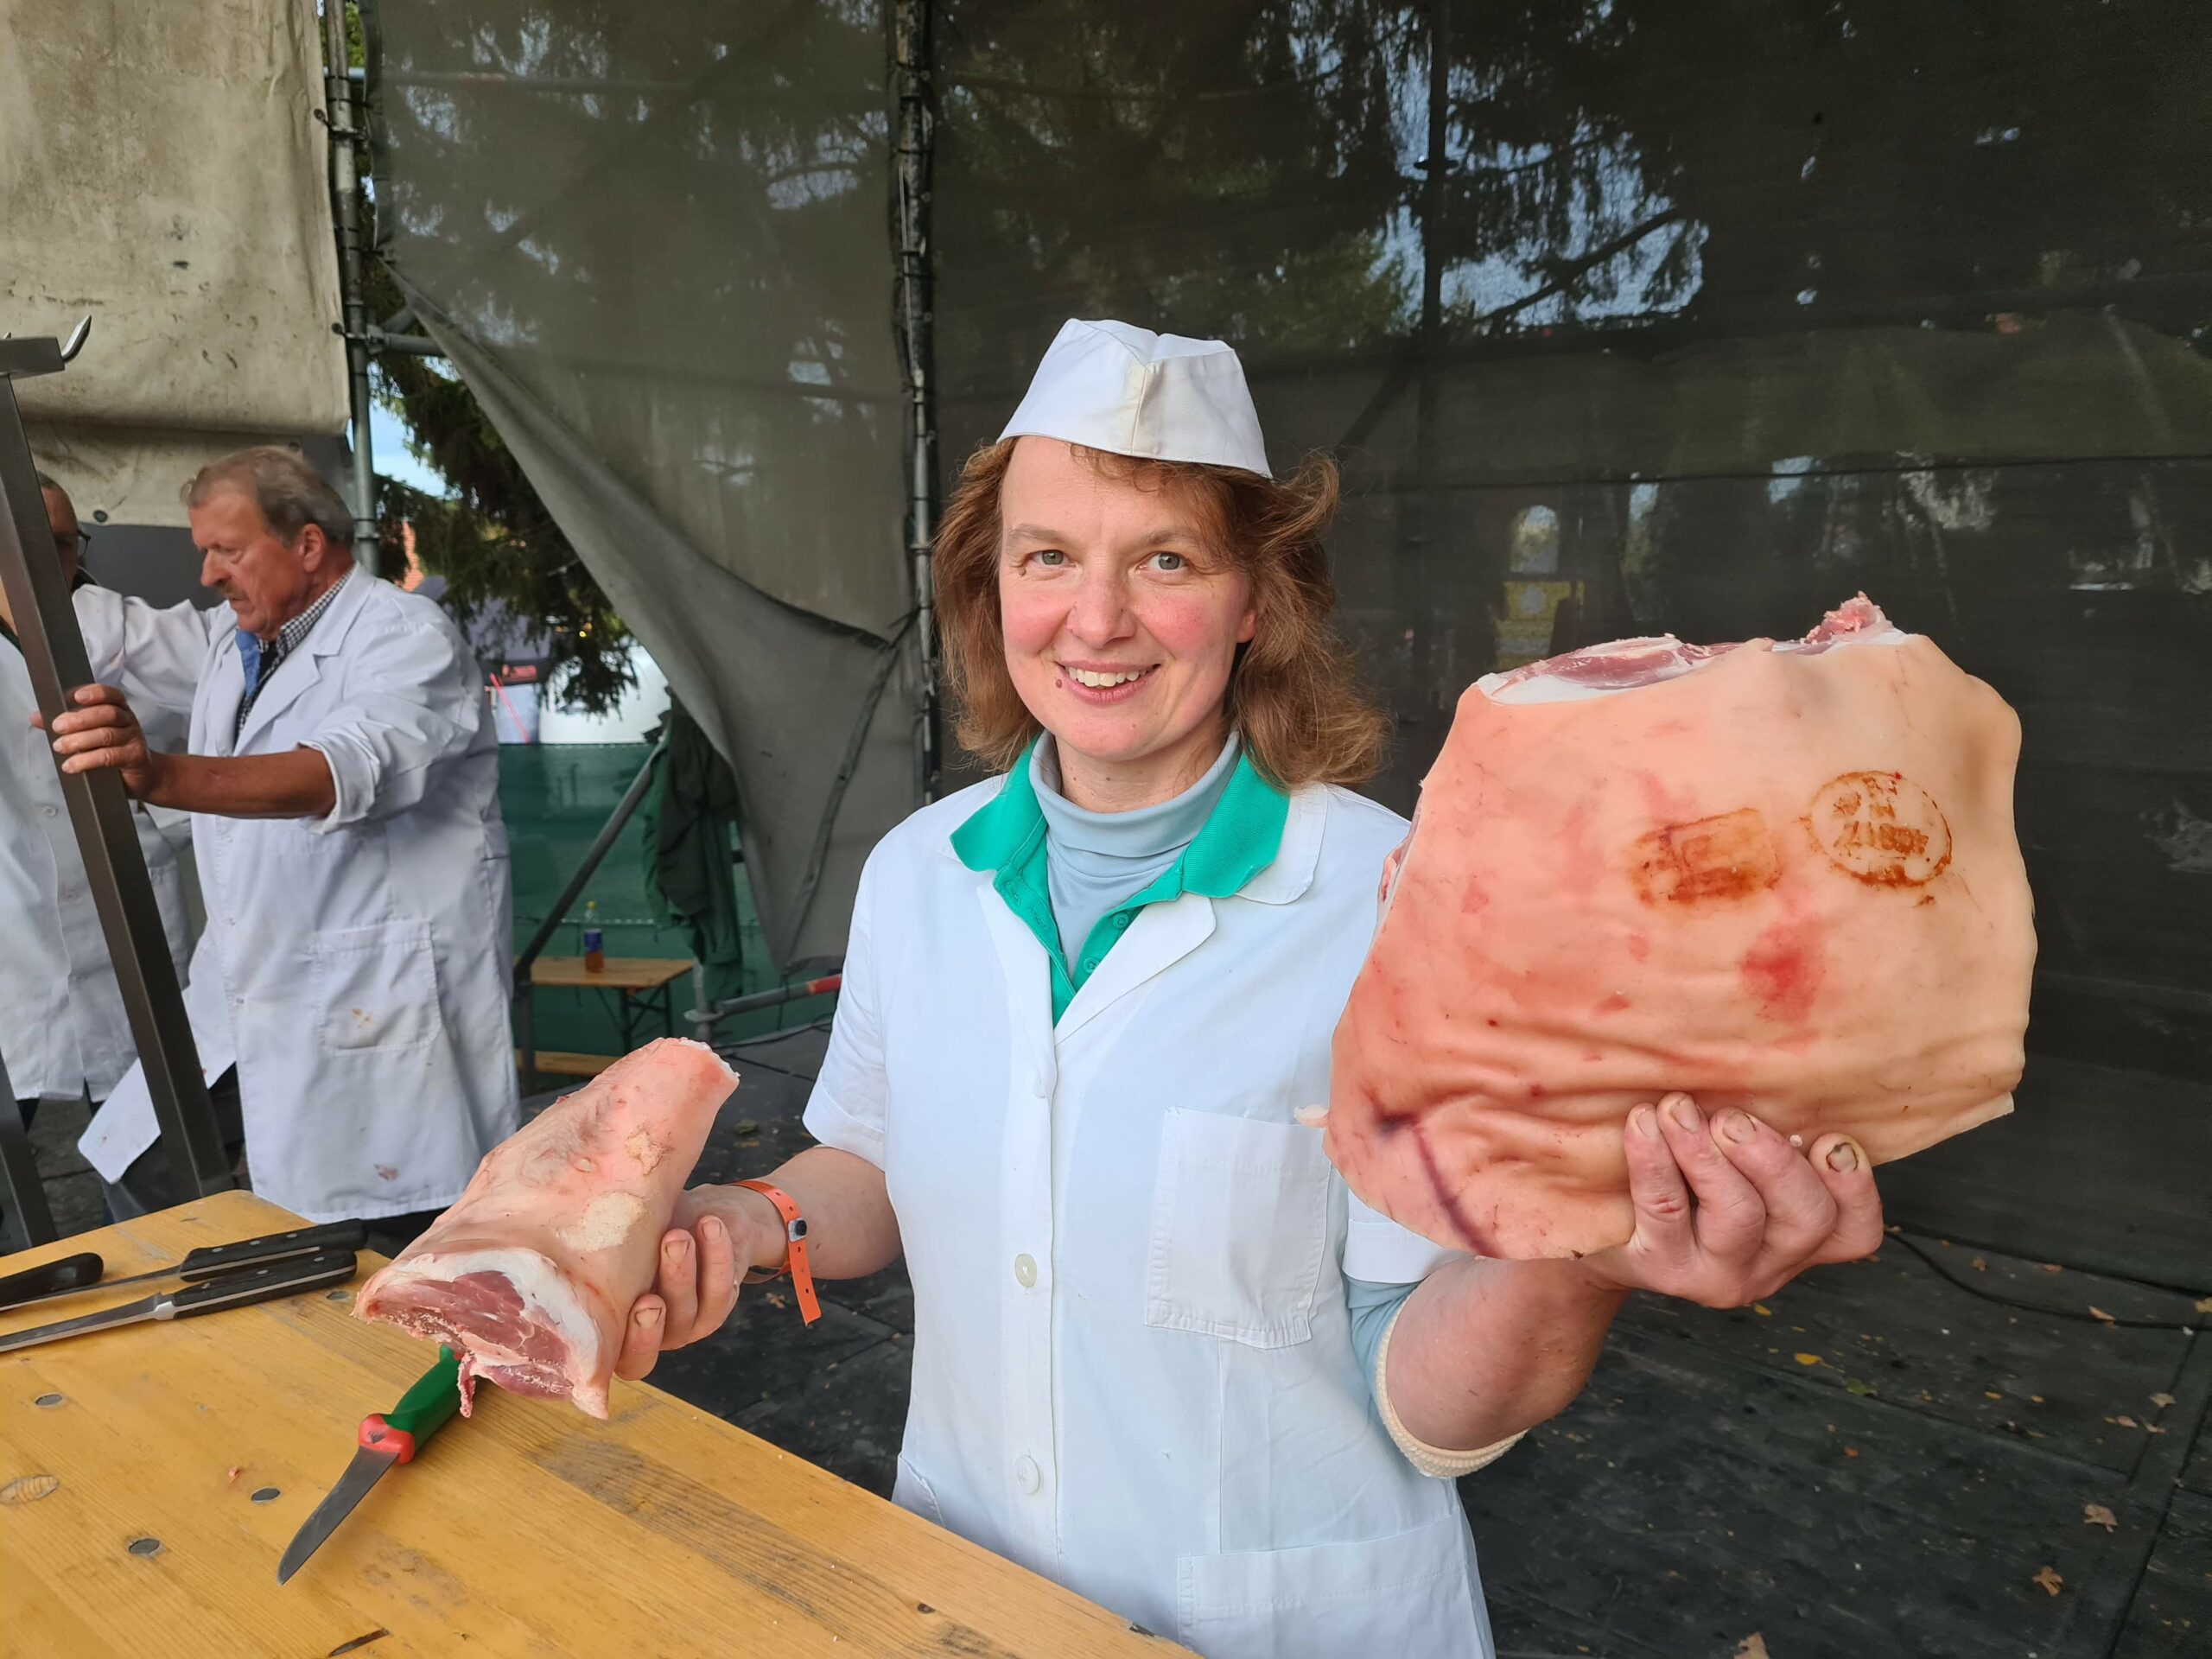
917 140
115 867
343 117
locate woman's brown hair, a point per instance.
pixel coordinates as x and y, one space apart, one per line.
1292 692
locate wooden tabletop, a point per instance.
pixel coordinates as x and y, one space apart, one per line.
620 973
529 1529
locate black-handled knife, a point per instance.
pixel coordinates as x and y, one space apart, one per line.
68 1276
237 1289
62 1278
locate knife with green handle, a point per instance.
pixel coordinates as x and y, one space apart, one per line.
386 1437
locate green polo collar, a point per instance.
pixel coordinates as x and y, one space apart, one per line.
1006 837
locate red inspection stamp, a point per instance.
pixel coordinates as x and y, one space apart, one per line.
1881 828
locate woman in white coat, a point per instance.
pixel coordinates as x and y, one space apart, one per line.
1160 1354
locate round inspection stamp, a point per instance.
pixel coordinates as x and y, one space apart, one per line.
1881 828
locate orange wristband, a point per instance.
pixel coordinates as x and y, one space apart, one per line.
794 1251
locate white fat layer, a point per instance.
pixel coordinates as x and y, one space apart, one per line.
547 1296
607 1221
1552 688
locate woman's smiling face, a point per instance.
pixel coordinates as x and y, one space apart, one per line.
1121 623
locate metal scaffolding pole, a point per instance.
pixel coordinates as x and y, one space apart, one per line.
342 117
115 868
917 328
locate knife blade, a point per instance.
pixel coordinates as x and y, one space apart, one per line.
230 1290
386 1439
68 1277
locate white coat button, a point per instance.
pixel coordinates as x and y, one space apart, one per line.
1039 1087
49 811
1024 1270
1025 1475
68 895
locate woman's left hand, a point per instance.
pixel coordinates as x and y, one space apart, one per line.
1728 1212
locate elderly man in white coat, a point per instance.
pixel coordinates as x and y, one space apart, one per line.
343 782
63 1034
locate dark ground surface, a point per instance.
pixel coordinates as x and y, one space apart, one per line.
1877 1462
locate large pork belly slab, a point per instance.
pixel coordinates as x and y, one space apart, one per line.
1782 877
531 1274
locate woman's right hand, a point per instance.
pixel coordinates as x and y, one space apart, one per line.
716 1234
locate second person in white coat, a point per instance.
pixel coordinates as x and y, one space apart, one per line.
343 780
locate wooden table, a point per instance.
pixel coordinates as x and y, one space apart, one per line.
641 984
529 1529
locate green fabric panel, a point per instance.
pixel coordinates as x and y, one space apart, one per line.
692 851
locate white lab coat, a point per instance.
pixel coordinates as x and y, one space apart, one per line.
1138 1378
355 968
62 1028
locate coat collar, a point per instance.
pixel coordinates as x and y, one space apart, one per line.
302 668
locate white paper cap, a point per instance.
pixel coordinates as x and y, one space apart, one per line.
1129 392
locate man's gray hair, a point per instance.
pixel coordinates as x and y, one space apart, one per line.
289 492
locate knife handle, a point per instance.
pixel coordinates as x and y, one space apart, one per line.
422 1412
285 1278
33 1284
210 1260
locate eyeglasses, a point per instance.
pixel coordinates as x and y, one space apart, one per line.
71 545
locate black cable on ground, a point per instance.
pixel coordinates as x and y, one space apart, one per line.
2026 1307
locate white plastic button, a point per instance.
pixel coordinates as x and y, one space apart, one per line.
1039 1087
1024 1270
48 810
1025 1475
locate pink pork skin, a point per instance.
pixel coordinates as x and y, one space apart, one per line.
531 1274
1783 878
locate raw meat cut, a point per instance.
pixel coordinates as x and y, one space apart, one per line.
531 1274
1778 876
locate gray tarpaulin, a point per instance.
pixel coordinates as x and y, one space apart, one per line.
653 239
1619 317
161 169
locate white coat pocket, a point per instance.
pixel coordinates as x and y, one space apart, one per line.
1240 1220
376 988
1412 1594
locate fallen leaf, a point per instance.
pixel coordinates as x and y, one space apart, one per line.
1762 1310
2162 1400
747 1126
1853 1385
2048 1579
2051 1266
1850 1451
2036 1398
2096 1312
29 1489
1806 1359
1979 1265
1991 1394
1752 1647
2125 1422
2205 1304
2097 1514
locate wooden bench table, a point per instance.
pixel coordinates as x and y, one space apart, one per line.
529 1529
642 986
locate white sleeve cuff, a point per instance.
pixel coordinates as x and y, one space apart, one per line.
831 1125
1429 1459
